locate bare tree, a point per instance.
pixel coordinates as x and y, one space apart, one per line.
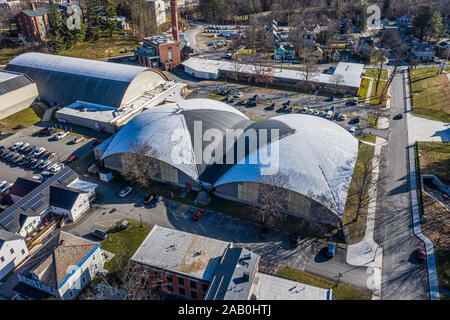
262 72
272 197
141 164
309 68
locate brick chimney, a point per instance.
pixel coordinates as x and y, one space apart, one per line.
33 6
173 6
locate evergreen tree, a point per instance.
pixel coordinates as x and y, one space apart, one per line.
56 39
93 16
387 5
109 13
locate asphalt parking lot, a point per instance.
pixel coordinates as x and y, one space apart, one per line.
308 256
63 149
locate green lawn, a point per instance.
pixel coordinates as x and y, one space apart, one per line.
368 137
7 54
431 94
125 243
376 93
356 227
373 73
26 118
104 47
342 292
435 159
362 93
443 267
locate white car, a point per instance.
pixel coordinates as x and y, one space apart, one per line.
351 130
316 112
56 167
304 110
78 139
3 183
125 191
329 114
61 135
238 95
44 164
7 187
16 145
39 152
23 146
310 111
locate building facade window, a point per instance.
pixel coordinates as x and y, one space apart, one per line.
23 251
181 281
248 191
168 172
2 259
181 291
12 251
194 294
193 284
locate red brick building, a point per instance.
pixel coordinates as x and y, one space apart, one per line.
162 49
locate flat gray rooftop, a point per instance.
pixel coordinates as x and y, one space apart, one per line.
181 252
268 287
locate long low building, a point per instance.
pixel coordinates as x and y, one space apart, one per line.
17 92
346 79
310 159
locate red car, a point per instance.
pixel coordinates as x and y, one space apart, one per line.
421 254
198 214
96 143
72 158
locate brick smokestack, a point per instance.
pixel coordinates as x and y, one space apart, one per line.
174 10
33 6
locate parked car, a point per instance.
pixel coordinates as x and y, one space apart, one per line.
310 111
337 115
61 135
14 156
322 114
16 145
96 143
78 139
287 103
294 241
316 112
331 109
264 233
355 101
244 101
3 183
18 158
331 98
421 254
352 130
198 214
343 117
23 147
398 116
39 152
2 148
271 107
44 164
7 187
329 115
357 119
149 197
72 158
37 163
125 191
331 249
155 201
49 156
56 167
99 234
305 110
238 95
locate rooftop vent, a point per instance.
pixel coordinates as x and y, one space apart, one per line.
246 276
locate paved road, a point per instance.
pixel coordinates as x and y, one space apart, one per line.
308 256
403 277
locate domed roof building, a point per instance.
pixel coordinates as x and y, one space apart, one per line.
209 145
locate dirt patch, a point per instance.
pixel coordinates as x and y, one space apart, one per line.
437 224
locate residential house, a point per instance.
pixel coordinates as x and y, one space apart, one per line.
341 55
423 52
444 49
364 46
186 265
34 211
284 52
13 250
62 267
33 23
404 21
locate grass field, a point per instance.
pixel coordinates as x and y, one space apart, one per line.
376 93
362 93
7 54
356 227
443 267
26 118
431 94
104 47
373 73
126 242
342 292
435 159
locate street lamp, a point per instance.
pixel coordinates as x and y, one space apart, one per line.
140 218
338 278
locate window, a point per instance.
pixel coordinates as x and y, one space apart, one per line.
70 293
83 279
2 259
12 251
181 281
194 294
168 172
193 284
181 291
205 287
169 278
248 192
170 287
23 251
93 258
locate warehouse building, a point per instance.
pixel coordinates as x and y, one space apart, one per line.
203 268
346 78
17 92
314 158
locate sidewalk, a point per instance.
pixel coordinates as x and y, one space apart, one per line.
431 262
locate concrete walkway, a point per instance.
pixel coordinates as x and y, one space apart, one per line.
431 262
367 252
369 90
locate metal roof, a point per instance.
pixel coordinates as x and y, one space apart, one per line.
317 155
35 202
10 81
181 252
65 80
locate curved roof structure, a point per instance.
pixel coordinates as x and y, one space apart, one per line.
64 79
316 155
